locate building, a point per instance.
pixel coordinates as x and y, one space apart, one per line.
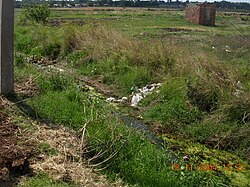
203 14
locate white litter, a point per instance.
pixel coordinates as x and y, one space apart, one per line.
141 93
56 68
239 90
111 99
239 85
124 99
137 94
136 99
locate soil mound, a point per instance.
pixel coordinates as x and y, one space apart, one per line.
14 152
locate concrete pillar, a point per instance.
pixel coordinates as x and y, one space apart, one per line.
6 46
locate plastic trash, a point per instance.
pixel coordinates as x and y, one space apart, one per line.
124 99
111 99
136 99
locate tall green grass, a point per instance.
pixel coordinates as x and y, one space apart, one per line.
123 153
196 101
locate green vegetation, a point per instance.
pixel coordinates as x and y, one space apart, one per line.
45 148
42 180
34 13
204 98
172 108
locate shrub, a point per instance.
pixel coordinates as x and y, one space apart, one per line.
52 51
34 13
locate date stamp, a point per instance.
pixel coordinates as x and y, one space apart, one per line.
208 167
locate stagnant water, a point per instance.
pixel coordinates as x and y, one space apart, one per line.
143 129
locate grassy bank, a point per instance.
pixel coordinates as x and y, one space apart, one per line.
204 97
124 153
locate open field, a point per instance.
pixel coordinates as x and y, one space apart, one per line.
66 68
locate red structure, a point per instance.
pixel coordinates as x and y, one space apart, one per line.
203 14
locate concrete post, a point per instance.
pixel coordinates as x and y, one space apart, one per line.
6 46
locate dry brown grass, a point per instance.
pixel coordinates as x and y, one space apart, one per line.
101 44
68 165
27 87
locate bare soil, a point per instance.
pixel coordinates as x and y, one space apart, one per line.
15 152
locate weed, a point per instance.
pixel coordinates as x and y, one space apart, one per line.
58 108
41 180
121 60
45 148
19 60
170 105
239 108
205 98
203 109
52 51
54 82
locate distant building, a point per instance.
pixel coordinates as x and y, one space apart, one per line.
203 14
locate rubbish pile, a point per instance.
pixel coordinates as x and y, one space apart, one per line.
114 100
137 94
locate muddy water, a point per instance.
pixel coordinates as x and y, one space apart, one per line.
143 129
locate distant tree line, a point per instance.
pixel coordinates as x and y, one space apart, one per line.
228 5
128 3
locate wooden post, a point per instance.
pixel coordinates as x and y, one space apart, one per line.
6 46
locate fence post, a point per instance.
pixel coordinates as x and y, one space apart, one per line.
6 46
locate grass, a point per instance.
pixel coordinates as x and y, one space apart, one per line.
42 180
135 159
129 156
199 68
45 148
